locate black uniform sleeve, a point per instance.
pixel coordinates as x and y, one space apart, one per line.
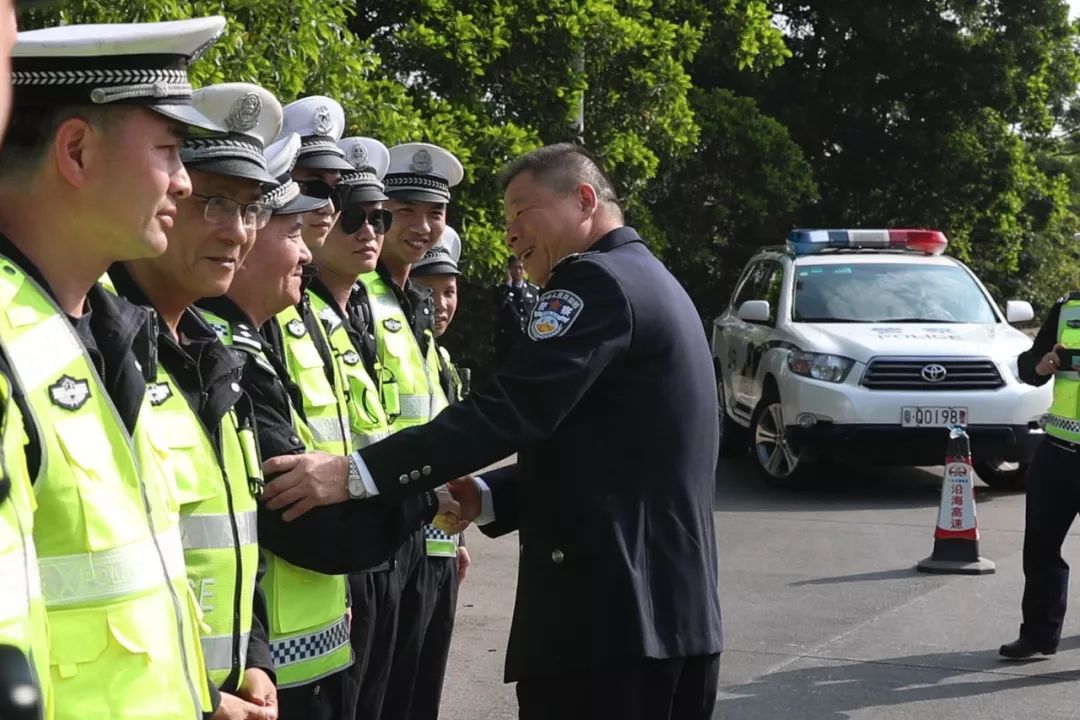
1044 343
525 401
258 652
504 501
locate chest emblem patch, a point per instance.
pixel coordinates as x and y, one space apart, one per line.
392 324
554 314
158 392
296 327
69 393
351 357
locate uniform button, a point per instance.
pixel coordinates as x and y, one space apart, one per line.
426 469
404 479
316 690
294 439
521 549
415 474
235 387
557 556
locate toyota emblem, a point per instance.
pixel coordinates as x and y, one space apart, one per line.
934 373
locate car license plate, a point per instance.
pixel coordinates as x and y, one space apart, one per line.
917 417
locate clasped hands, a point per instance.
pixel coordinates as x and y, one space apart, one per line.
306 481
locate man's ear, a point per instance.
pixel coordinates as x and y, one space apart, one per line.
587 198
76 146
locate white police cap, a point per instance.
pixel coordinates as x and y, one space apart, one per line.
369 159
115 64
422 172
286 198
320 122
253 117
442 258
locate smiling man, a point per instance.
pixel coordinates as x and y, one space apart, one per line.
90 174
617 613
196 395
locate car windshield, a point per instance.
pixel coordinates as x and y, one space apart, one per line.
889 292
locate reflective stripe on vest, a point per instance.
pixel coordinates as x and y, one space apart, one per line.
218 650
307 647
325 405
101 491
212 532
419 394
368 420
107 575
1065 409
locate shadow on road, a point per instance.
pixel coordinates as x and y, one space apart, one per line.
834 486
834 689
899 574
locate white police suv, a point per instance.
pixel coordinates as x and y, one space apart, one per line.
867 345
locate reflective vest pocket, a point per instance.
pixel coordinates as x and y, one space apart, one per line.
296 584
125 639
183 438
316 388
89 454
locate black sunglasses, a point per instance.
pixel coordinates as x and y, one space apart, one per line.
353 218
336 194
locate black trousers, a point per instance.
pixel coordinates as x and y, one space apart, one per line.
423 640
640 689
1053 500
331 698
379 610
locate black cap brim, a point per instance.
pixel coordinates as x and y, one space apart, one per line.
324 161
418 196
435 268
302 204
192 118
234 167
366 195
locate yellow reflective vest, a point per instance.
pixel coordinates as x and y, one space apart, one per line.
309 632
1063 420
22 608
122 618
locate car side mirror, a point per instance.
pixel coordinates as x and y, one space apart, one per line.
755 311
1018 311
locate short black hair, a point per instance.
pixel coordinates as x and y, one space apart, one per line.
512 261
32 129
562 167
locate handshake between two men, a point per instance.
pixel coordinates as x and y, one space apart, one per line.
306 481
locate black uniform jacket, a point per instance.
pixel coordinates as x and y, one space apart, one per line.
611 407
1044 343
335 539
514 306
205 372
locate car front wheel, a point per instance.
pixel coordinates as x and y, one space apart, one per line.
776 456
1001 475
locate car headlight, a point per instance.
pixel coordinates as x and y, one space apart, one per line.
830 368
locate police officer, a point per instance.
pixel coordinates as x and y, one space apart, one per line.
340 301
448 559
1052 497
307 556
197 396
96 132
610 408
514 301
418 183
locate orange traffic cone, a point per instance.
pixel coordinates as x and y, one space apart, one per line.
956 538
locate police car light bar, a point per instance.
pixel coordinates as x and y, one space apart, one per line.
807 242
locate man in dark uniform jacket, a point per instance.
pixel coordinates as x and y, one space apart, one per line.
610 407
514 302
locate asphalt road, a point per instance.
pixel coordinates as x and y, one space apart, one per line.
825 617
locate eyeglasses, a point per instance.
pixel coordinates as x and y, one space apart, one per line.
336 194
222 210
354 217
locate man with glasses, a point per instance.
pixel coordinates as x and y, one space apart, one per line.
91 174
196 396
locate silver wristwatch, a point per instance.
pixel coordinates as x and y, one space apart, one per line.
354 482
